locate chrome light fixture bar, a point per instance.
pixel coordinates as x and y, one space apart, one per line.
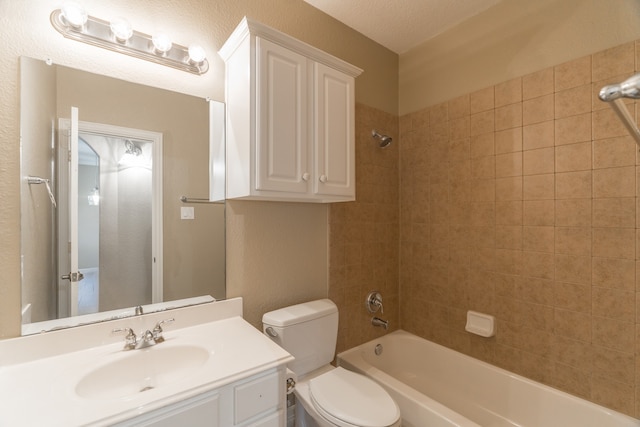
73 23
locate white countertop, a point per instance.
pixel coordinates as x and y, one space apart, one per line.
42 392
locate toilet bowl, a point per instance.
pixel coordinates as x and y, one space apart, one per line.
326 396
338 397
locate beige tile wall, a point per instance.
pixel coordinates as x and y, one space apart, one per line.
520 200
363 243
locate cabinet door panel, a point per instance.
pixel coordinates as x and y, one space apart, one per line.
334 132
256 396
281 128
200 411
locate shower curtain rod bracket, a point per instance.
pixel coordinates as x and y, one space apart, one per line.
622 112
614 94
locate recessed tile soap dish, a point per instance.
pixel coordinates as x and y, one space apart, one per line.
480 324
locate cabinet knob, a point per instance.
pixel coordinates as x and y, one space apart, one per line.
323 178
305 176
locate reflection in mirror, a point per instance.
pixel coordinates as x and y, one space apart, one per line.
115 173
109 235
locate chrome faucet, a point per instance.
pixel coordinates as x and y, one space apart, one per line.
139 310
146 339
376 321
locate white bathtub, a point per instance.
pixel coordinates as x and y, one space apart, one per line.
438 387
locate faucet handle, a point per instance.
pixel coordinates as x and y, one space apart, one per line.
374 302
130 339
157 330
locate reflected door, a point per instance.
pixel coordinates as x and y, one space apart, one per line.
110 221
79 224
74 276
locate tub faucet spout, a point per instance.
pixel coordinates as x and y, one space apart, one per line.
376 321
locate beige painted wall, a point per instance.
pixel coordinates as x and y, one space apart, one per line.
277 255
26 31
514 38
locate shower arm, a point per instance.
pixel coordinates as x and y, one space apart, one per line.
613 94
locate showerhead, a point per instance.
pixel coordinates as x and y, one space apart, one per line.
385 140
629 88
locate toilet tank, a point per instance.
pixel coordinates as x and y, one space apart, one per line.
307 331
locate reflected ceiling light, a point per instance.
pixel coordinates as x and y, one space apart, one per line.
133 156
73 22
94 197
121 29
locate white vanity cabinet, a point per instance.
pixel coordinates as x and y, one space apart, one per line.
289 119
212 369
259 401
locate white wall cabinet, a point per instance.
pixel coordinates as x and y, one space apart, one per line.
259 401
289 119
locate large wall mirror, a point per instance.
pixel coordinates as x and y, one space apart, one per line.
104 164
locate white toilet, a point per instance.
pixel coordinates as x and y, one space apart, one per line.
326 396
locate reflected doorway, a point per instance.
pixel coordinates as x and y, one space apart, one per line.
118 219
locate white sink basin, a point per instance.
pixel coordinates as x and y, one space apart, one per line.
141 370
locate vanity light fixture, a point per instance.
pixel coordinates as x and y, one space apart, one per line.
73 22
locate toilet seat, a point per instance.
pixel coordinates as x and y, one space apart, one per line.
348 399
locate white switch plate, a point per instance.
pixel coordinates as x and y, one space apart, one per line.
187 212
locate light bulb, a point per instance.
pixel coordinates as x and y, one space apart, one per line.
74 14
196 54
121 29
161 43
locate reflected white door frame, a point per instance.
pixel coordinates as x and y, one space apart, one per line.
68 295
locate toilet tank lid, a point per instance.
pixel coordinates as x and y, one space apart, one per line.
299 313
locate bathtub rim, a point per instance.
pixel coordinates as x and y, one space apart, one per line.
393 385
347 356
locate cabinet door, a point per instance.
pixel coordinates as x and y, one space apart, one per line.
200 411
281 125
334 133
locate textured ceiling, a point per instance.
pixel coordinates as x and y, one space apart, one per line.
400 25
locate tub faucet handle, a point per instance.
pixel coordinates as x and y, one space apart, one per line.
374 302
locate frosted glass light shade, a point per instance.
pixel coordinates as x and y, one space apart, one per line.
121 29
161 43
74 14
196 54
